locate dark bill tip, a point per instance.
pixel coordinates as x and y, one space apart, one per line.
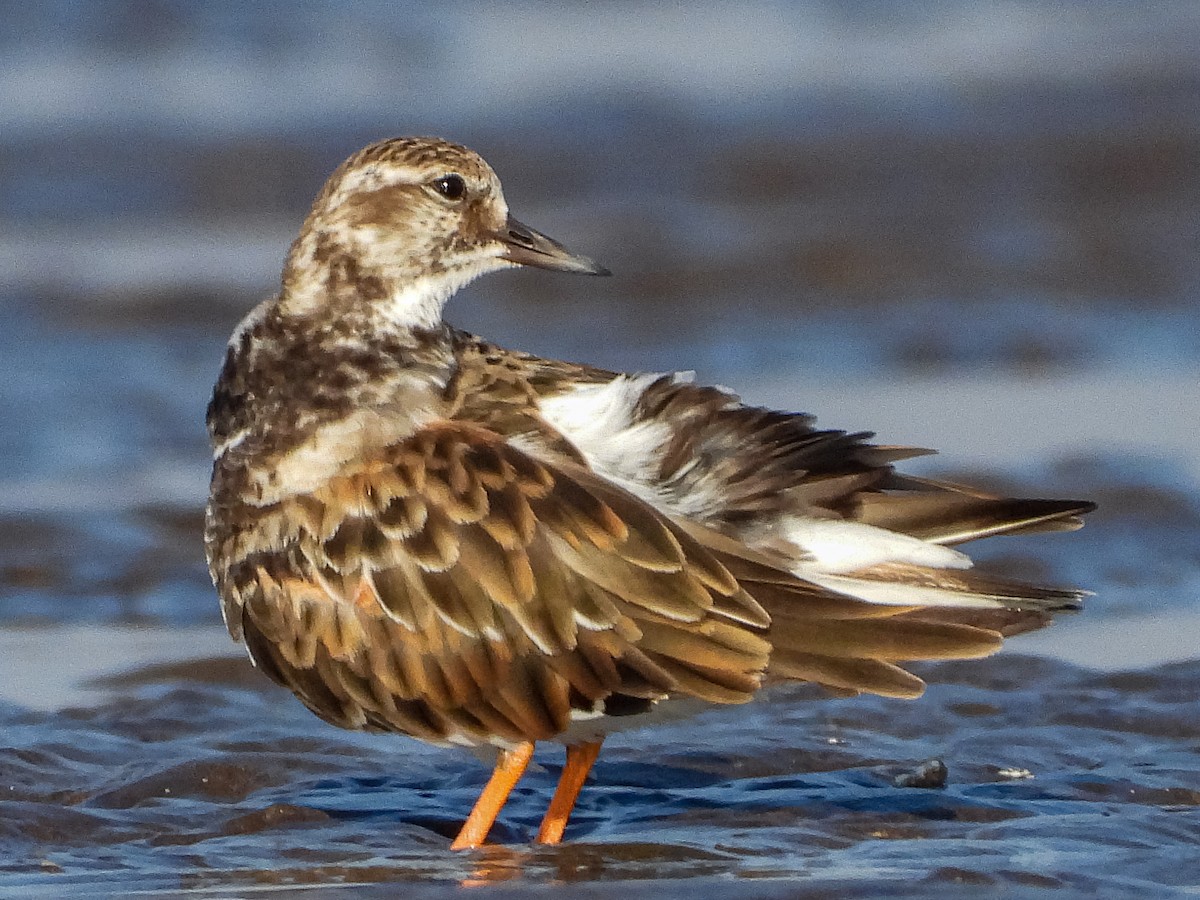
527 247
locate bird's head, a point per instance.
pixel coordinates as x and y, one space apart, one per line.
403 224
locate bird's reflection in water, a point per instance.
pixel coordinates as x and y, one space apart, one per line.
496 863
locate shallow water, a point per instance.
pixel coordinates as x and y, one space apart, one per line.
201 776
963 225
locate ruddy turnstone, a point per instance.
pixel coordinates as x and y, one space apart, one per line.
418 531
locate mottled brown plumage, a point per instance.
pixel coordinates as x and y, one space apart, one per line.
417 531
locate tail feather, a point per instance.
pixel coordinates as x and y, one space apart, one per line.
1004 622
902 639
950 516
852 675
846 631
910 585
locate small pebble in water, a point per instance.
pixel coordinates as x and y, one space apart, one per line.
929 774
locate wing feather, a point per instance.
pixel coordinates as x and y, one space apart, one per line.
453 583
455 587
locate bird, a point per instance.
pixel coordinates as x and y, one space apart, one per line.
420 532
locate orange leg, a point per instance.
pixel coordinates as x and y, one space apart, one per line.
580 759
510 765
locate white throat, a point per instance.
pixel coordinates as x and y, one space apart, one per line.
419 303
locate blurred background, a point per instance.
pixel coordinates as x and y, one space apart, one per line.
967 225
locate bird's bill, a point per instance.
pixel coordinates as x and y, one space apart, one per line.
526 247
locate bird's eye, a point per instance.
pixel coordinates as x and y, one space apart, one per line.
452 187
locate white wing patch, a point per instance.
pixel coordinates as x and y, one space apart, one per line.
895 593
837 546
836 549
599 420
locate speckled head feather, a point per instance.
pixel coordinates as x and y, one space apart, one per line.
403 224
